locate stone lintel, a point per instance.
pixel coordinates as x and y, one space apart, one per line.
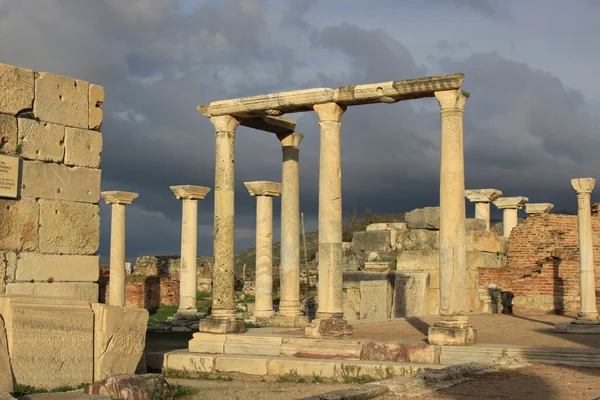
118 197
277 125
190 192
583 185
510 202
290 139
263 188
482 195
538 208
304 100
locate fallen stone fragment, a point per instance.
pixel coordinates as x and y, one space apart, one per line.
132 387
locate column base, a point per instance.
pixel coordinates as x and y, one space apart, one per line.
579 326
288 321
187 315
263 314
452 331
212 324
335 327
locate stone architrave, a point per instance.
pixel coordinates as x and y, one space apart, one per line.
330 314
222 318
118 201
264 192
453 328
189 195
482 199
289 315
538 208
510 206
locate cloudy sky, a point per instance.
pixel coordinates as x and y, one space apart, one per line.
531 124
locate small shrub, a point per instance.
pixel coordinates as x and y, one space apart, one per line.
291 377
179 391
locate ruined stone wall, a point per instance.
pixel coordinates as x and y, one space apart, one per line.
49 235
543 264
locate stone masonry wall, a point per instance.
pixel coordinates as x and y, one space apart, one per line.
49 236
543 264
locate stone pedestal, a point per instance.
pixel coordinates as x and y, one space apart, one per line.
118 201
482 199
538 208
189 195
332 327
510 206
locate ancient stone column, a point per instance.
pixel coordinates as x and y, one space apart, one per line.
538 208
188 287
289 314
222 318
263 288
118 201
453 328
330 317
510 206
482 199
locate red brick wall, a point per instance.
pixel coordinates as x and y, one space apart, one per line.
543 264
169 291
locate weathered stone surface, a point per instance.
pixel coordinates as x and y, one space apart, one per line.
419 239
68 227
8 266
54 267
8 133
119 339
207 343
132 387
375 299
486 241
16 86
311 348
476 259
6 396
444 336
243 344
423 218
41 141
418 259
64 396
473 224
251 365
19 224
372 241
50 340
54 181
96 100
303 367
87 291
387 226
334 328
410 294
351 304
83 147
61 100
6 376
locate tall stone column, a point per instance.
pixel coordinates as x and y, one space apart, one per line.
289 315
453 328
330 317
118 201
188 287
510 206
538 208
263 289
222 318
482 199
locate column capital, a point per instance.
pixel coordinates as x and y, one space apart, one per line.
510 202
482 195
452 100
118 197
583 185
225 123
329 111
263 188
292 139
190 192
538 208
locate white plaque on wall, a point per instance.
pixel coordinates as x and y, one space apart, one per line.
9 176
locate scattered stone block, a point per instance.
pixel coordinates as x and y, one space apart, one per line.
54 181
96 100
375 299
418 260
69 227
485 241
387 226
41 141
132 387
119 339
19 224
61 100
419 239
423 218
474 224
16 86
87 291
8 132
6 375
83 148
372 241
54 267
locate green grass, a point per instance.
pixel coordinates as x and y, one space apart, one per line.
250 298
162 313
23 390
179 391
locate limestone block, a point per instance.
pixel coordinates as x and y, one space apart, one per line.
433 299
96 100
410 294
8 266
319 348
207 343
16 86
375 299
418 259
129 386
6 376
419 239
87 291
387 226
351 304
182 360
83 148
434 278
243 344
444 336
251 365
61 100
487 241
8 132
53 267
119 339
310 368
68 227
423 218
54 181
19 221
474 224
50 340
476 259
41 141
372 241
